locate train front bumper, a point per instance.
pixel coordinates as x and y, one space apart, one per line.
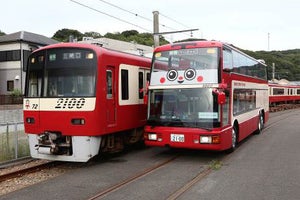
83 149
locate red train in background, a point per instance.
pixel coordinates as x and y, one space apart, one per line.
82 99
283 94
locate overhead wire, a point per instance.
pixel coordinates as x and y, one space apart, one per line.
145 18
130 12
117 18
133 13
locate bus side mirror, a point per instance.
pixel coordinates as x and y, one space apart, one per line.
145 99
221 98
220 95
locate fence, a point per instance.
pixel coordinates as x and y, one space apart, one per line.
10 99
13 141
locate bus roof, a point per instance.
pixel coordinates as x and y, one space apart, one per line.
191 44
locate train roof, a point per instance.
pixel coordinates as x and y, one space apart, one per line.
94 47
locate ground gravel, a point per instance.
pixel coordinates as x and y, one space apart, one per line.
26 180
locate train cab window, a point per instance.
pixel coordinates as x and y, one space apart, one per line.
109 84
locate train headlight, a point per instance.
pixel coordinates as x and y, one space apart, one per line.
152 136
78 121
30 120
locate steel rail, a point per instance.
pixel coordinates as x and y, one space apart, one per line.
132 179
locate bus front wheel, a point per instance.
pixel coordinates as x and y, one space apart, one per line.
234 140
260 124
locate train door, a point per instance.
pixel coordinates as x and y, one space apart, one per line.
110 96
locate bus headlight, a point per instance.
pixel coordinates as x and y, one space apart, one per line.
215 139
205 139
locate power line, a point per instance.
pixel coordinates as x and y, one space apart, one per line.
117 18
135 14
169 18
174 20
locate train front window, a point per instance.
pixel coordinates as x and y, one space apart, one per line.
184 108
65 72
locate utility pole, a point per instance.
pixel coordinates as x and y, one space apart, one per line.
273 71
156 32
155 28
268 41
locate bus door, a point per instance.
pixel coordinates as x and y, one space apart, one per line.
111 109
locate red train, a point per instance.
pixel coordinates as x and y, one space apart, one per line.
283 93
82 99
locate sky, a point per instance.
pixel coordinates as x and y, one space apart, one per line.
253 25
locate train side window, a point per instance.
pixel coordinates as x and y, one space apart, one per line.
109 84
124 84
141 85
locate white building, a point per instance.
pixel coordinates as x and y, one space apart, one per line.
14 51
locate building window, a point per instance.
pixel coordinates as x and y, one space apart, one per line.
10 86
13 55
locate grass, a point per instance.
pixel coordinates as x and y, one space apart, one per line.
215 164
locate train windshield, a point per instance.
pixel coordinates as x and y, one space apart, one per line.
184 108
65 72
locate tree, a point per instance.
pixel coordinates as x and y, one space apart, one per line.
63 35
92 34
2 33
129 33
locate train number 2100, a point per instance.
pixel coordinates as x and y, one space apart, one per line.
70 103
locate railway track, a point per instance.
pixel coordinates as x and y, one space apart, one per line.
283 107
129 180
27 170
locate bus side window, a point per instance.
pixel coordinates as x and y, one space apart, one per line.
226 111
227 60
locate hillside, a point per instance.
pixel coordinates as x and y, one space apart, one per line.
287 63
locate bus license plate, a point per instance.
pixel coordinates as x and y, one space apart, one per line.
177 138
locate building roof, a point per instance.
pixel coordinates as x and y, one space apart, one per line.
27 37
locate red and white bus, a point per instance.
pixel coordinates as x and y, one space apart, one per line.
83 99
205 95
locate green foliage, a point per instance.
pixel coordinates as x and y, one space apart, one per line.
216 164
92 34
134 36
287 63
64 34
127 36
16 93
2 33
